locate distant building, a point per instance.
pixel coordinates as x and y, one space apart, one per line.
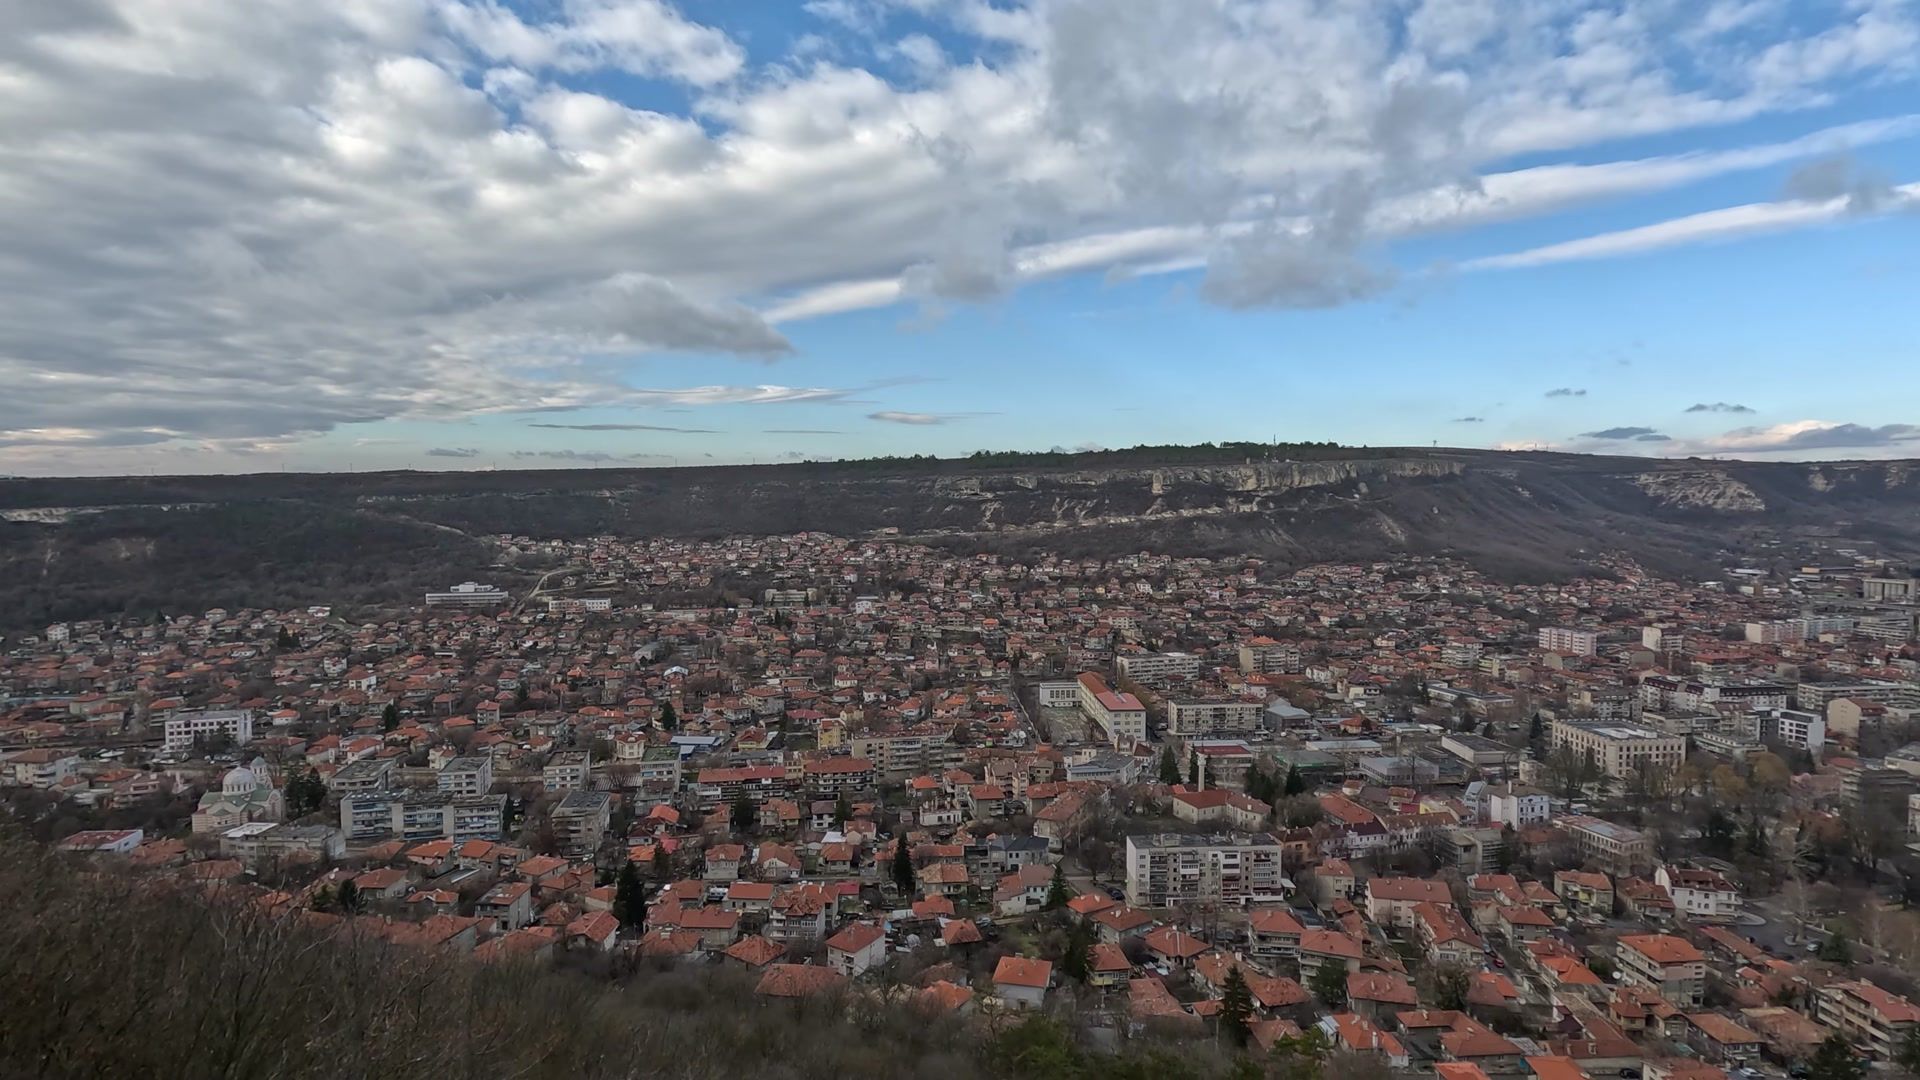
1120 716
468 594
1620 750
580 821
1158 669
568 770
185 728
466 776
1618 849
1566 639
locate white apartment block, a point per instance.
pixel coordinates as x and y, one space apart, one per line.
1158 669
183 728
1212 717
1620 750
1566 639
1164 869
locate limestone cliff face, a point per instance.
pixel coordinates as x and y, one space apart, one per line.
1120 496
1705 489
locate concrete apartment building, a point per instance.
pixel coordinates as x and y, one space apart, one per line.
1566 639
1172 868
1158 669
466 776
1667 965
1867 1014
420 815
1187 718
182 729
580 821
1618 849
1265 656
1620 750
568 770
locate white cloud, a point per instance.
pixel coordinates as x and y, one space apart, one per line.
1712 225
234 224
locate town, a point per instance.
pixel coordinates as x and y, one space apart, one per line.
1400 812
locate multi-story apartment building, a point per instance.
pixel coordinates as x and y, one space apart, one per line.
1158 669
1265 656
720 787
1867 1014
1669 966
1224 717
580 821
466 776
184 728
1620 750
1791 727
1618 849
360 777
1120 716
898 753
41 767
568 770
420 815
1165 869
830 777
1567 639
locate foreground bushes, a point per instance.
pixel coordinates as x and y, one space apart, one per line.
110 974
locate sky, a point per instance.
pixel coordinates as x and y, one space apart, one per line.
469 234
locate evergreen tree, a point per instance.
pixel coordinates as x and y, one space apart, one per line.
1076 963
629 901
903 866
1169 769
1296 784
1236 1008
743 814
1330 985
669 720
1193 767
286 639
1835 1060
1057 892
390 717
1535 729
348 897
1836 949
842 810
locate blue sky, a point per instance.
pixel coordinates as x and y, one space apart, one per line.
466 234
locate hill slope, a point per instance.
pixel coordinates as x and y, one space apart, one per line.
74 548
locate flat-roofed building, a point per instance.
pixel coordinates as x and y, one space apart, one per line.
468 594
1164 869
1567 639
1620 750
1158 669
1618 849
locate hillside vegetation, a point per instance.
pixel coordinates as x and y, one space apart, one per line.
81 548
109 977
